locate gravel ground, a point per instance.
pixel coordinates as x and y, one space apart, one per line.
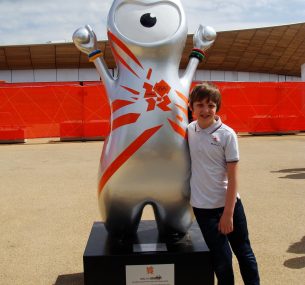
48 204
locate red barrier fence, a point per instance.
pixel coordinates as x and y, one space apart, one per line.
70 110
65 110
264 107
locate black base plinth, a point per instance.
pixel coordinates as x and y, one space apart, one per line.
105 259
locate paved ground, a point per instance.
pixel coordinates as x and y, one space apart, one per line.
48 204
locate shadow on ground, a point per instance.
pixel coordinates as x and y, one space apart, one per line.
297 262
70 279
292 173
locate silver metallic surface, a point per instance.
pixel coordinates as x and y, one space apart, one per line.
204 37
145 158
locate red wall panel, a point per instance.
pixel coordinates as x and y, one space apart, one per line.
66 110
73 111
96 111
39 110
263 107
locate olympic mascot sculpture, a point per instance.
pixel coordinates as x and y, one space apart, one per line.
145 158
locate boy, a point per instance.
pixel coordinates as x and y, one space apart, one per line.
214 198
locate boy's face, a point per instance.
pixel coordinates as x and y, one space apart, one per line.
204 111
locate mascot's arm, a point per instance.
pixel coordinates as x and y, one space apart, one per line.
203 38
85 40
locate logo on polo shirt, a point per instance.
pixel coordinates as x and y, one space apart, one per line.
216 140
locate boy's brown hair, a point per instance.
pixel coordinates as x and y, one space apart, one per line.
205 90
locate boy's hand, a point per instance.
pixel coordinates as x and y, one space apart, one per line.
225 225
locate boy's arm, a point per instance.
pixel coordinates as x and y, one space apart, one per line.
225 225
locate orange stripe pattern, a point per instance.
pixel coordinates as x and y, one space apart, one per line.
184 98
179 130
125 120
115 53
117 41
179 118
149 74
135 92
182 109
125 155
118 104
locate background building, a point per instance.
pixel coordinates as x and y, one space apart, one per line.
274 54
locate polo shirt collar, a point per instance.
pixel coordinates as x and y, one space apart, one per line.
211 129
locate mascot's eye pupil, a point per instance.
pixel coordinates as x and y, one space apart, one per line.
148 20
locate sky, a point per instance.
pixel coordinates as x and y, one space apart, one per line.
42 21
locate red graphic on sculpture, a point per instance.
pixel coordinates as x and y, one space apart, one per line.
157 95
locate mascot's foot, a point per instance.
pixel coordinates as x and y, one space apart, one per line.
123 237
121 241
172 237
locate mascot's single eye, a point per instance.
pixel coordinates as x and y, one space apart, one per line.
146 23
148 20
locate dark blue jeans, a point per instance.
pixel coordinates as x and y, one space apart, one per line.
220 249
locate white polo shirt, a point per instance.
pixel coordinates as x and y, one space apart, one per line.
211 149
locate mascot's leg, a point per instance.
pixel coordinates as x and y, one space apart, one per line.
173 220
122 220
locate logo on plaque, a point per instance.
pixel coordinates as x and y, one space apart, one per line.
149 274
149 270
